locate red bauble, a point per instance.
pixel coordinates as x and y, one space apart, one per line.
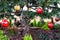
5 23
39 10
50 25
57 19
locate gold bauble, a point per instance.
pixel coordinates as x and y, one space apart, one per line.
17 7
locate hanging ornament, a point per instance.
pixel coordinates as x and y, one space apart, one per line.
29 4
57 19
39 10
52 5
25 8
58 5
33 9
5 23
50 10
46 20
50 25
17 7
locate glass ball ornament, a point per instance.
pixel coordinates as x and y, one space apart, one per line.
5 23
39 10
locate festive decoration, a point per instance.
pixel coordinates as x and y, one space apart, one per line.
39 10
50 10
29 4
25 8
25 11
5 23
33 9
28 37
46 20
35 21
17 7
45 27
50 25
57 19
58 5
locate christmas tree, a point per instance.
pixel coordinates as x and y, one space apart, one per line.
24 15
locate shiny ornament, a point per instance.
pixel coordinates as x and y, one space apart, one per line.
50 10
57 19
58 5
33 9
5 23
39 10
25 8
29 4
17 7
50 25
